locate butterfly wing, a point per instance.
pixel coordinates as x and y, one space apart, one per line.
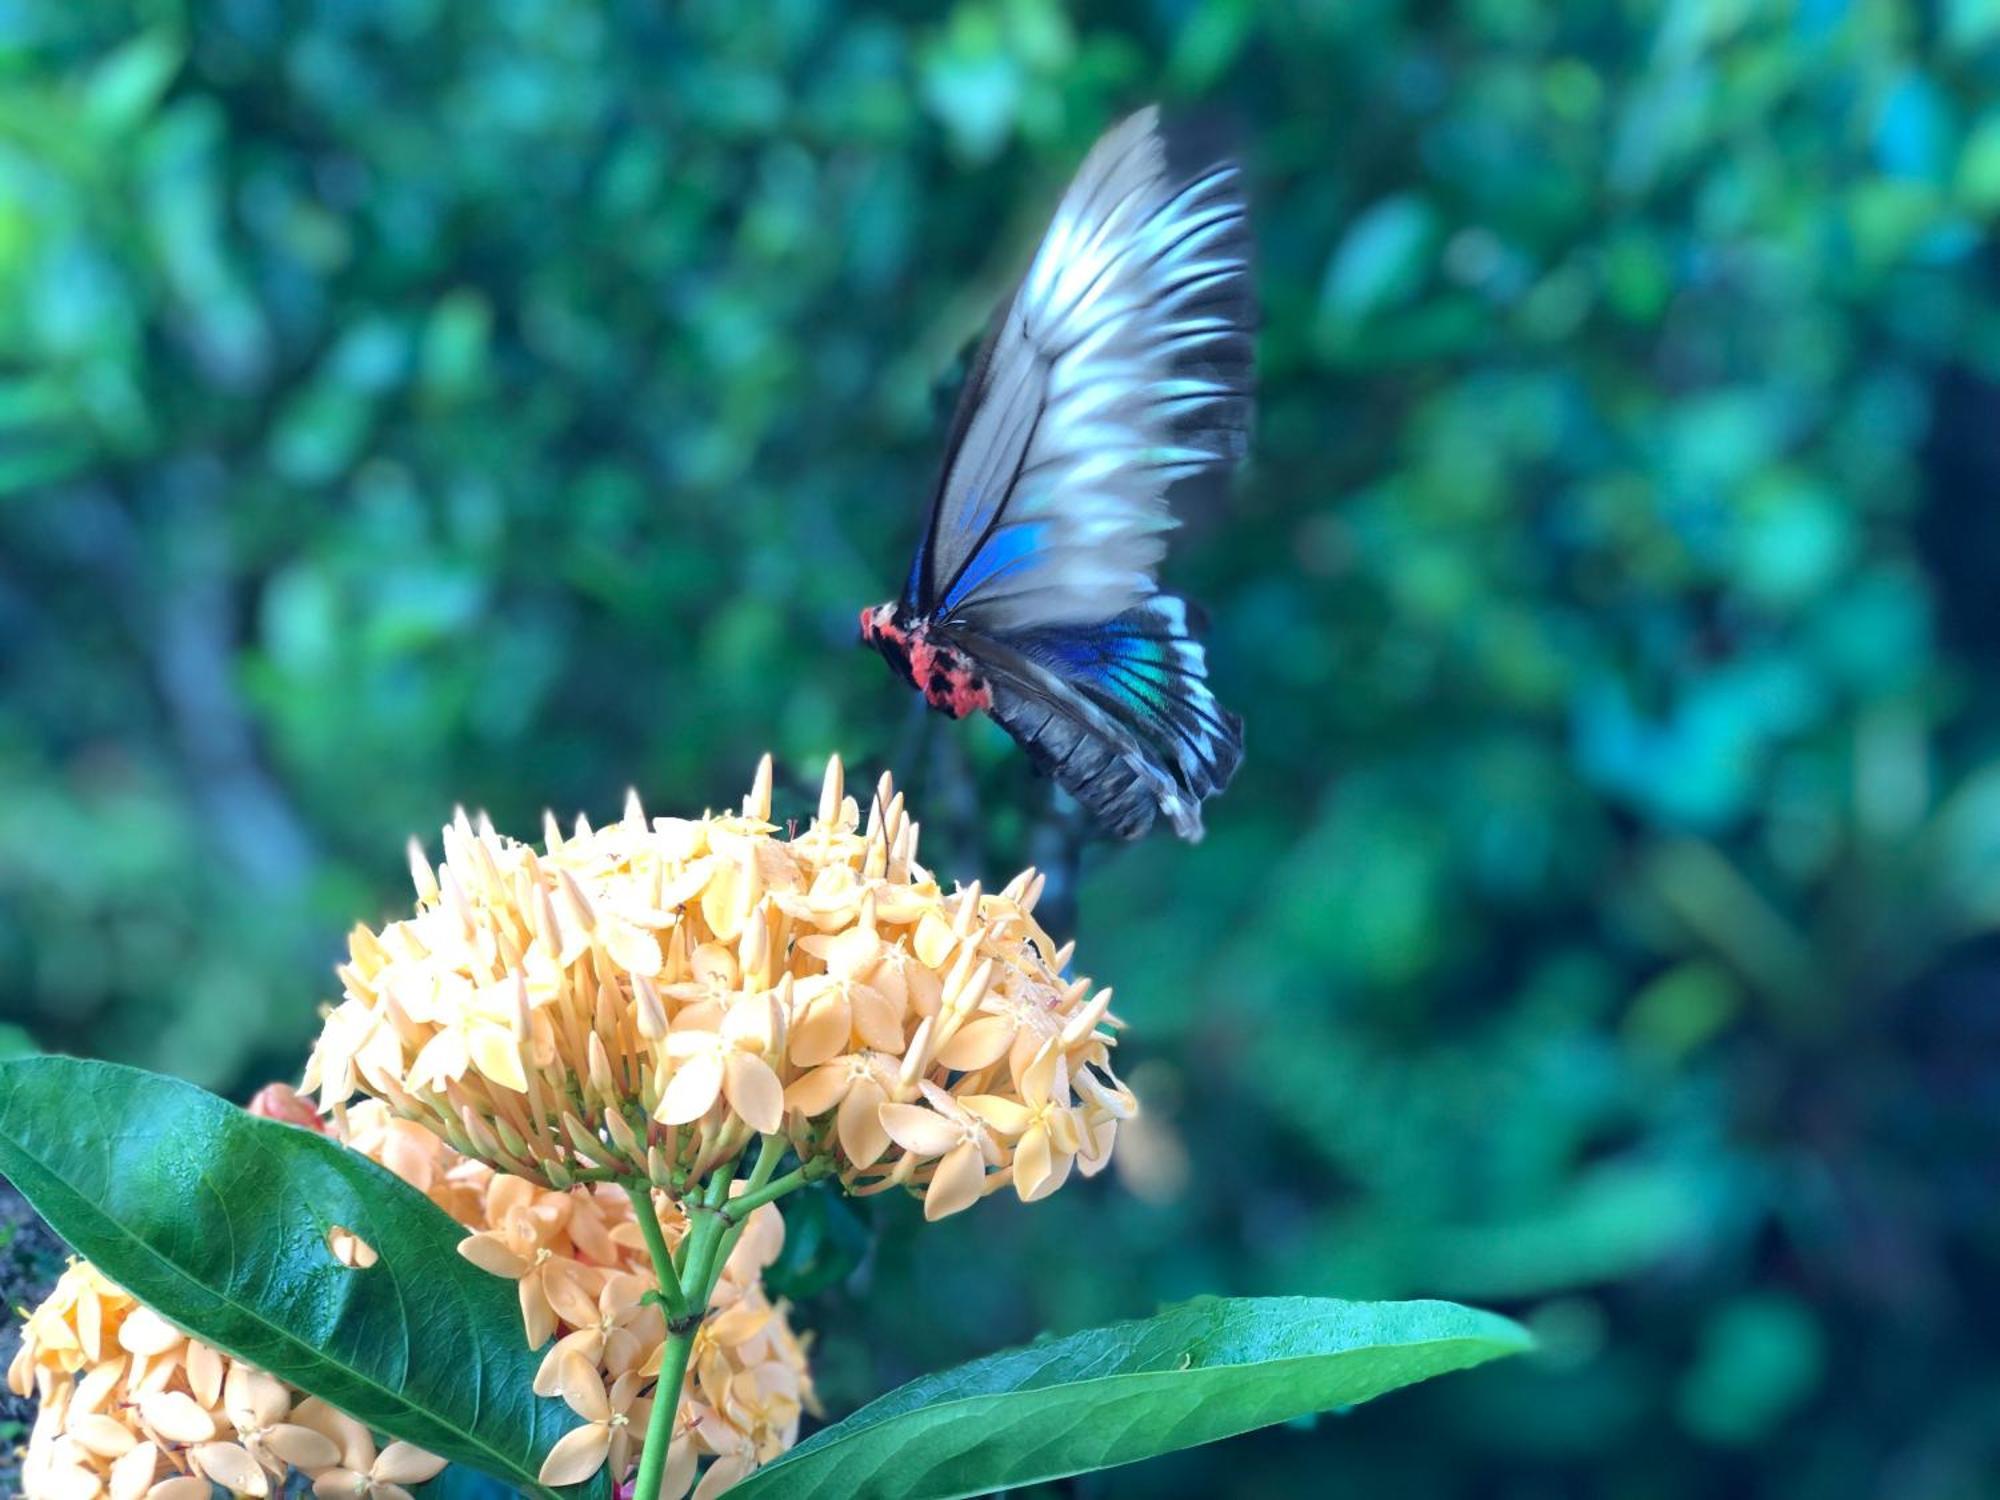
1119 714
1120 367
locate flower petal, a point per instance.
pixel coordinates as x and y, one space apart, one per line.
724 1472
754 1092
820 1028
934 940
959 1180
341 1484
1099 1137
406 1463
231 1467
920 1131
632 948
977 1044
572 1301
205 1368
692 1091
443 1058
254 1399
583 1388
497 1055
1044 1078
490 1253
878 1020
357 1446
681 1463
107 1437
538 1319
95 1388
301 1447
146 1332
578 1454
90 1325
859 1123
1008 1116
175 1417
1033 1165
548 1375
133 1475
820 1090
63 1479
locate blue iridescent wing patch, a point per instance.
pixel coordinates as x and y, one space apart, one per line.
1120 715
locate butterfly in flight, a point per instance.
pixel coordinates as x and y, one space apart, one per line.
1119 369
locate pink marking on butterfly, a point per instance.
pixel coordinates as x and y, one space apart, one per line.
944 674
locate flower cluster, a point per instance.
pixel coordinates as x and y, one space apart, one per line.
133 1409
645 998
580 1262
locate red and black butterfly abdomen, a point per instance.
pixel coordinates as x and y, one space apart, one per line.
948 678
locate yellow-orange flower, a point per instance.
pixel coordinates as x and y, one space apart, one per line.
643 999
613 1421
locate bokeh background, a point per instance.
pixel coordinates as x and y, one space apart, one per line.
404 403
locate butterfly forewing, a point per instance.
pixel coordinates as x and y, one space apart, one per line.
1120 366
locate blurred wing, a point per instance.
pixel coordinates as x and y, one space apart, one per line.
1119 714
1121 366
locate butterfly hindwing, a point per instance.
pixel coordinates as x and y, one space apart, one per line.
1120 714
1120 367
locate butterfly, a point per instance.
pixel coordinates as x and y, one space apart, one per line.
1119 369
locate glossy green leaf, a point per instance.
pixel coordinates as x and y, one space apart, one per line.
1192 1374
218 1220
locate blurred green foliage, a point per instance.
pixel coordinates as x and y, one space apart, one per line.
404 404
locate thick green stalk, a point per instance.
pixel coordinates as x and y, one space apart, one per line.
698 1276
684 1314
715 1223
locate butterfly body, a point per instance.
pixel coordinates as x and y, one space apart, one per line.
1117 371
944 673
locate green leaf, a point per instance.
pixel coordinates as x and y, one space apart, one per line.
129 84
1195 1373
218 1221
1381 260
455 1482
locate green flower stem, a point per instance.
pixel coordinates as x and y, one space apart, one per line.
716 1223
744 1204
770 1151
671 1295
715 1192
699 1275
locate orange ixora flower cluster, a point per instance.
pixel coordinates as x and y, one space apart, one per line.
579 1259
133 1409
644 999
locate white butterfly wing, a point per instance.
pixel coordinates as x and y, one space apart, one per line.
1121 366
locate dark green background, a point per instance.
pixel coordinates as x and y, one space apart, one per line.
404 403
